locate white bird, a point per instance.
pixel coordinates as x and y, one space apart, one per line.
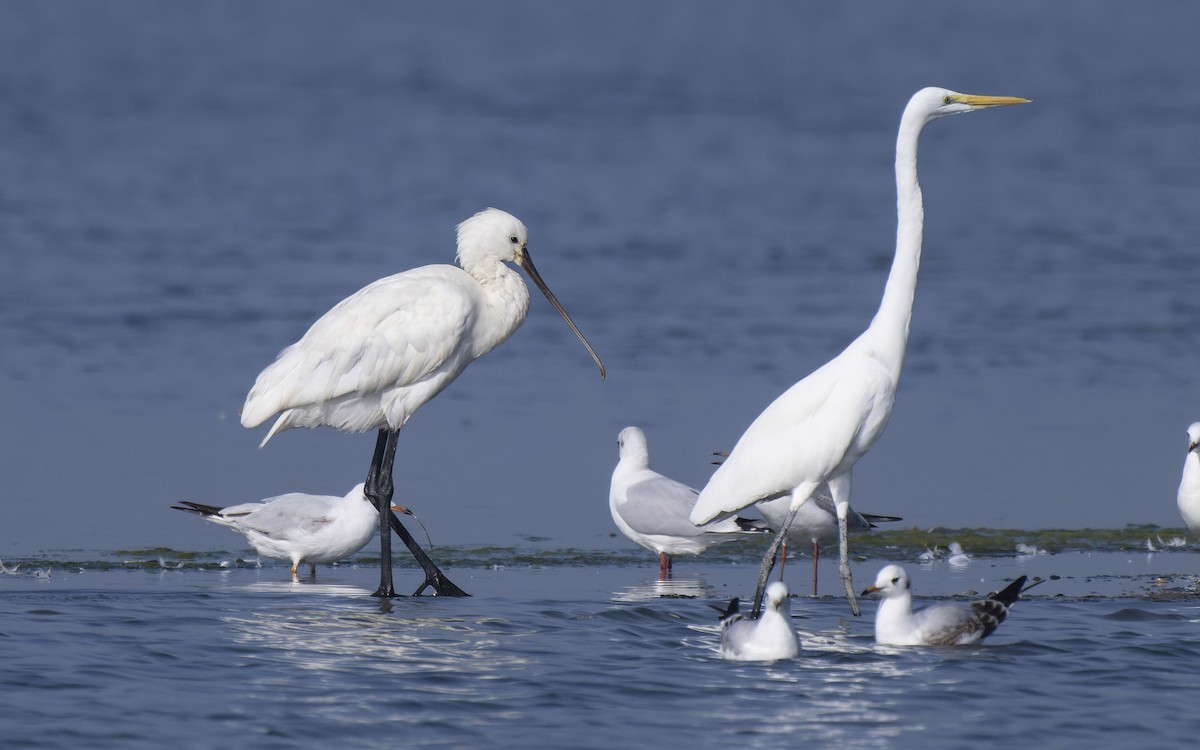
820 427
769 638
814 524
384 351
944 624
1189 485
652 510
958 556
298 527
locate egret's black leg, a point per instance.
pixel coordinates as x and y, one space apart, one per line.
378 490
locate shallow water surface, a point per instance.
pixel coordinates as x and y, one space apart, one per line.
598 655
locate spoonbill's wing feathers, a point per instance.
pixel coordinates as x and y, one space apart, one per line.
396 331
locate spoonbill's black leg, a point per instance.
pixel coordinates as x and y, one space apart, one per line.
378 490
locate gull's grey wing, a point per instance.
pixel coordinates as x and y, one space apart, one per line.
660 506
955 623
285 517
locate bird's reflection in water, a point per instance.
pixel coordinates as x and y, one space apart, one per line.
691 587
338 628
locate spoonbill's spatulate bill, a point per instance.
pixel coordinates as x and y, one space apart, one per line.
769 638
820 427
298 527
1189 484
384 351
944 624
652 510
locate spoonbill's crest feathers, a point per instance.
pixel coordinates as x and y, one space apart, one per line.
489 236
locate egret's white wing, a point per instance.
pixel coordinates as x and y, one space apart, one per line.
808 425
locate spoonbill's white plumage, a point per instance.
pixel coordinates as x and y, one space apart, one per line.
769 638
652 510
384 351
815 524
1189 484
944 624
819 428
298 527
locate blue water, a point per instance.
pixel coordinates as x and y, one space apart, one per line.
584 656
708 187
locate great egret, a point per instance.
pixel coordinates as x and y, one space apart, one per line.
945 624
384 351
818 429
769 638
1189 484
298 527
652 510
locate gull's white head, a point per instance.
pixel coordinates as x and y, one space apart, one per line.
891 581
777 595
632 443
932 103
1193 436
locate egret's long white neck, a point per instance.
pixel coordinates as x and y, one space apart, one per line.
895 310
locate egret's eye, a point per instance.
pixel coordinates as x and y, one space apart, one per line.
896 580
947 100
513 239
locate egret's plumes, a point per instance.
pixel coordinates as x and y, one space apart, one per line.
769 638
298 527
652 510
1189 484
945 624
819 428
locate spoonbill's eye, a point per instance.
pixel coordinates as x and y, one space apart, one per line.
513 239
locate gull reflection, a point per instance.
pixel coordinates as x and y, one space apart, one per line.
657 588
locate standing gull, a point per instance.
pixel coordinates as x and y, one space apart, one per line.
298 527
820 427
769 638
1189 484
652 510
384 351
945 624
